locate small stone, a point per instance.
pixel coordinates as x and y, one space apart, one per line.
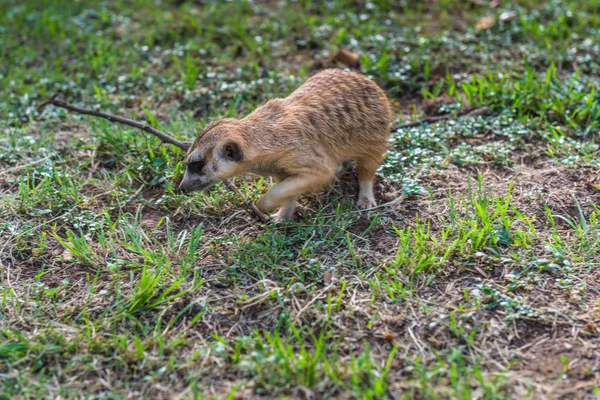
568 346
485 23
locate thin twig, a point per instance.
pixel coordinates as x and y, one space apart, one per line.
146 128
468 112
113 118
311 302
259 214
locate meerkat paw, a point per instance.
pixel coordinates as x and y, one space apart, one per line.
365 202
279 217
285 213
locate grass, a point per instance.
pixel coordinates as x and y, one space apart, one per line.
480 284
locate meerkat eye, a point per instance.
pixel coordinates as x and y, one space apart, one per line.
232 152
195 167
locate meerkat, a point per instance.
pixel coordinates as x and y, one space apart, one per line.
300 141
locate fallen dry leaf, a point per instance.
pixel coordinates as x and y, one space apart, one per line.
485 23
389 196
66 255
347 58
62 253
389 337
482 272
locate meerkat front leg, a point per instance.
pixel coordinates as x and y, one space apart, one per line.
367 170
286 211
283 195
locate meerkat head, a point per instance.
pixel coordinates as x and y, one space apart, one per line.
216 154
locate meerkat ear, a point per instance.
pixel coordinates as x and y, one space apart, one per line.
232 152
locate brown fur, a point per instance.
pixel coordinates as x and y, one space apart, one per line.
300 140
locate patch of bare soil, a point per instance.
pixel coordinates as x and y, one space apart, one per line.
558 187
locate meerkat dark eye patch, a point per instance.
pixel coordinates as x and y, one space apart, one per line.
232 152
195 167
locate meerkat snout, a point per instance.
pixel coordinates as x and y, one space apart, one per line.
300 141
216 157
194 182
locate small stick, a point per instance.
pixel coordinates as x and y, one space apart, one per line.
113 118
469 112
146 128
262 216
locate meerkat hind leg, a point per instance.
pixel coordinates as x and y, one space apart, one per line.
366 179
